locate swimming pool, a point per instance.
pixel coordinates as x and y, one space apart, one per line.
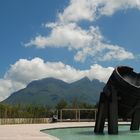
87 133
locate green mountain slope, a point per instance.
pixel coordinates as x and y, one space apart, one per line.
49 91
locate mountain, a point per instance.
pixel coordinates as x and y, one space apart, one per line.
49 91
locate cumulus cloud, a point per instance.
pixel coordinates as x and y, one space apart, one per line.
84 42
69 35
93 9
8 86
24 71
115 52
79 10
66 32
111 6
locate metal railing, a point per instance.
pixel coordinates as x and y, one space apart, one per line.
76 115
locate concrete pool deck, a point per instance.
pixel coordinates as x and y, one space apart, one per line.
32 131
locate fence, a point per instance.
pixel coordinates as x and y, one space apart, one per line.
80 115
77 115
24 120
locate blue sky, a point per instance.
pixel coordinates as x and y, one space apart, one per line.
21 20
114 27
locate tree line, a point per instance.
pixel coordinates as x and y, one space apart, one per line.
40 111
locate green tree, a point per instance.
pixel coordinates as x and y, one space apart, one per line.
61 104
75 103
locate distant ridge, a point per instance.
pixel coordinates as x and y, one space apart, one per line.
49 91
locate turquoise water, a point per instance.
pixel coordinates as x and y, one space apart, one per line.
87 133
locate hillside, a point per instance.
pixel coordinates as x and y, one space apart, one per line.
49 91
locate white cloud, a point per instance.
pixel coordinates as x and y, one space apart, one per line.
69 35
8 86
5 86
111 6
66 32
92 9
116 52
24 71
98 72
79 10
84 42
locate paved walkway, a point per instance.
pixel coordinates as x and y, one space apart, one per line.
32 131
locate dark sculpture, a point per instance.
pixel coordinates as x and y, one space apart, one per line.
120 97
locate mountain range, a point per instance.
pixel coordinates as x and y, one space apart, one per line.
50 91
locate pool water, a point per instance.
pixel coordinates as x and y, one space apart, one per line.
87 133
